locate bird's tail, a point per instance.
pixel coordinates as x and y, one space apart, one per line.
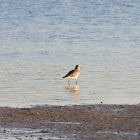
64 77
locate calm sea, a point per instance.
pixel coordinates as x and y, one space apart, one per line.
42 40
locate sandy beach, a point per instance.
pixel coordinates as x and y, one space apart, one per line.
71 122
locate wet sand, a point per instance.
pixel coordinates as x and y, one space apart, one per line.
71 122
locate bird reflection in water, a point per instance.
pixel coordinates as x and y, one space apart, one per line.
75 90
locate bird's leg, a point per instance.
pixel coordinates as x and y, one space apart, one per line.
69 82
76 81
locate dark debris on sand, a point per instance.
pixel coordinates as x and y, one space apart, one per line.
77 122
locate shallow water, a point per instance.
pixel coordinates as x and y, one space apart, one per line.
27 134
40 41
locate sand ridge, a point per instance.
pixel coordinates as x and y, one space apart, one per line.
78 121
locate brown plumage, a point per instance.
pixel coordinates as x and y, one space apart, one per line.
73 74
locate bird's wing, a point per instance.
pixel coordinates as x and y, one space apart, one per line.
70 73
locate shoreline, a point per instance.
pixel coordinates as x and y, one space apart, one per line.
98 121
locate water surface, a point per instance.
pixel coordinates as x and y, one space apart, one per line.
40 41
